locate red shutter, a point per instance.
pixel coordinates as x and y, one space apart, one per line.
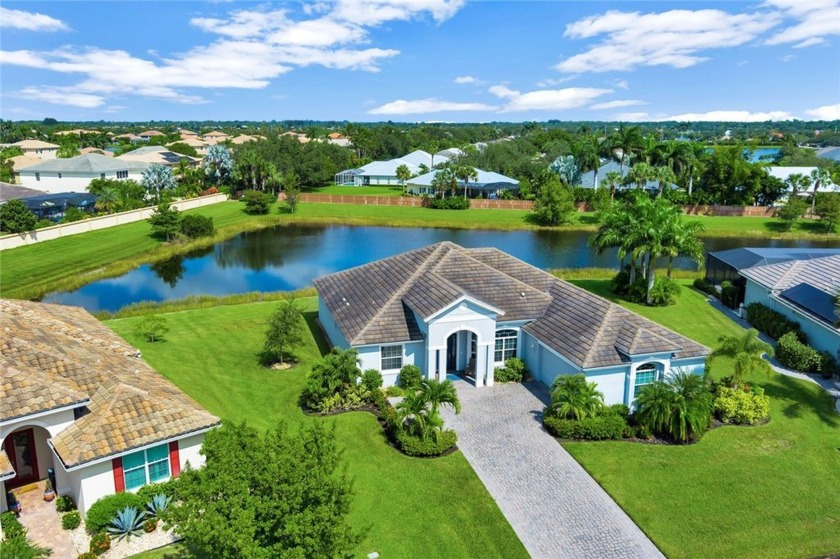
119 479
174 459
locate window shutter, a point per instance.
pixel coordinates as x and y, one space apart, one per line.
119 480
174 459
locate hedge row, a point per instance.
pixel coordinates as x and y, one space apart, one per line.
772 323
589 429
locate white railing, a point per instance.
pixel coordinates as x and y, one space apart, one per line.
96 223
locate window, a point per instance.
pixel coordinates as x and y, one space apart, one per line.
37 176
391 357
59 175
645 374
101 175
122 174
147 466
505 345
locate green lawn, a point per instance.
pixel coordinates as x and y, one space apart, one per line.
763 492
68 263
414 507
395 190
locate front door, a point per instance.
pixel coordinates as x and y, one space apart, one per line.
20 448
452 353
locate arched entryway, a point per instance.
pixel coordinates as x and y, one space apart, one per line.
29 454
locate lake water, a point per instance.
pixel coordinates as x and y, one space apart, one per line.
290 257
763 155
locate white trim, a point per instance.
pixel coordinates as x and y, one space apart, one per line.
461 299
352 345
36 415
402 357
127 451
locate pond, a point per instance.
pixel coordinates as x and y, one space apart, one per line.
759 155
290 257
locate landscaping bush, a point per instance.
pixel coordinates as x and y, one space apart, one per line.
103 511
451 203
431 446
41 223
620 282
795 355
829 367
12 527
150 525
87 555
772 323
744 407
605 427
410 377
101 542
71 520
15 217
195 226
257 202
372 380
333 383
65 503
664 292
394 392
151 328
620 410
148 492
729 294
704 285
513 371
72 214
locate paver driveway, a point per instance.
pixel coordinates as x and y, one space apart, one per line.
555 507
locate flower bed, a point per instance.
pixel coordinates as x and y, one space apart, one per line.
126 547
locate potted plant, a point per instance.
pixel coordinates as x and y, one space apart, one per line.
49 491
12 502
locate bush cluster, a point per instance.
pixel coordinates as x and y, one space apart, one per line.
410 377
432 446
64 503
605 427
168 488
740 406
795 355
729 294
195 226
372 380
71 520
513 371
87 555
706 286
100 543
257 202
103 511
11 525
772 323
451 203
394 392
664 291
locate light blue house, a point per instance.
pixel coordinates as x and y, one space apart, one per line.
803 291
451 310
484 183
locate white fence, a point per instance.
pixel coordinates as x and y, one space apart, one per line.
96 223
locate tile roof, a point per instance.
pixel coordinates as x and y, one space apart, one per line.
87 163
823 273
372 304
34 144
15 191
54 356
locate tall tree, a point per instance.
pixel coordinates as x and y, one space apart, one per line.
625 142
820 177
157 179
587 155
403 174
466 173
218 164
444 181
611 181
640 174
665 177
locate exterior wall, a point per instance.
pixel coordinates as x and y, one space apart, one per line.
97 223
465 316
820 335
41 153
188 452
95 481
336 338
69 182
413 353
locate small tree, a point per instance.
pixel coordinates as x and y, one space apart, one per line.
256 202
151 328
165 221
403 174
218 164
15 217
291 185
828 208
793 210
285 331
555 203
572 397
157 179
746 351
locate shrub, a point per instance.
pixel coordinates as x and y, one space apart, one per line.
513 371
664 292
12 527
620 410
772 323
129 522
157 506
735 405
795 355
71 520
209 191
22 547
372 380
87 555
704 285
64 503
151 328
410 377
620 282
451 203
150 525
432 446
15 217
195 226
729 294
72 214
394 392
100 543
605 427
257 202
829 367
41 223
103 511
148 492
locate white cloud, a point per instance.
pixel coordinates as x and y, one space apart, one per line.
634 117
425 106
19 19
253 46
787 58
622 84
810 42
813 20
730 116
467 80
617 104
674 38
547 99
554 82
826 112
60 96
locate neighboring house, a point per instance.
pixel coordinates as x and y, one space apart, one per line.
339 140
587 180
133 138
22 162
832 153
487 184
302 138
783 173
244 139
187 134
37 148
76 132
149 134
452 310
215 137
105 152
385 172
199 146
78 399
75 173
803 291
16 192
159 155
54 206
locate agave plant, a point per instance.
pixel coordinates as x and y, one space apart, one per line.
129 522
158 504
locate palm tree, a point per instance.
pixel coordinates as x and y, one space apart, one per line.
466 173
664 175
819 177
109 200
612 180
746 351
681 240
437 394
653 406
639 174
652 150
797 181
445 180
586 153
413 414
574 398
691 406
626 139
403 174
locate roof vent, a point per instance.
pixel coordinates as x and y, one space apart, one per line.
522 294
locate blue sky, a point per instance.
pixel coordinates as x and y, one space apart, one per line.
421 60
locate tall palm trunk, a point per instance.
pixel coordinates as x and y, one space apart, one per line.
596 177
670 265
632 270
649 273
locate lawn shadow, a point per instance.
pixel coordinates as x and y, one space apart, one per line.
588 219
318 334
777 227
803 400
813 226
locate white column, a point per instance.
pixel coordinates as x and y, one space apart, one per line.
490 367
480 364
430 363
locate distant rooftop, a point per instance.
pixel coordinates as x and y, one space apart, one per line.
16 192
743 258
